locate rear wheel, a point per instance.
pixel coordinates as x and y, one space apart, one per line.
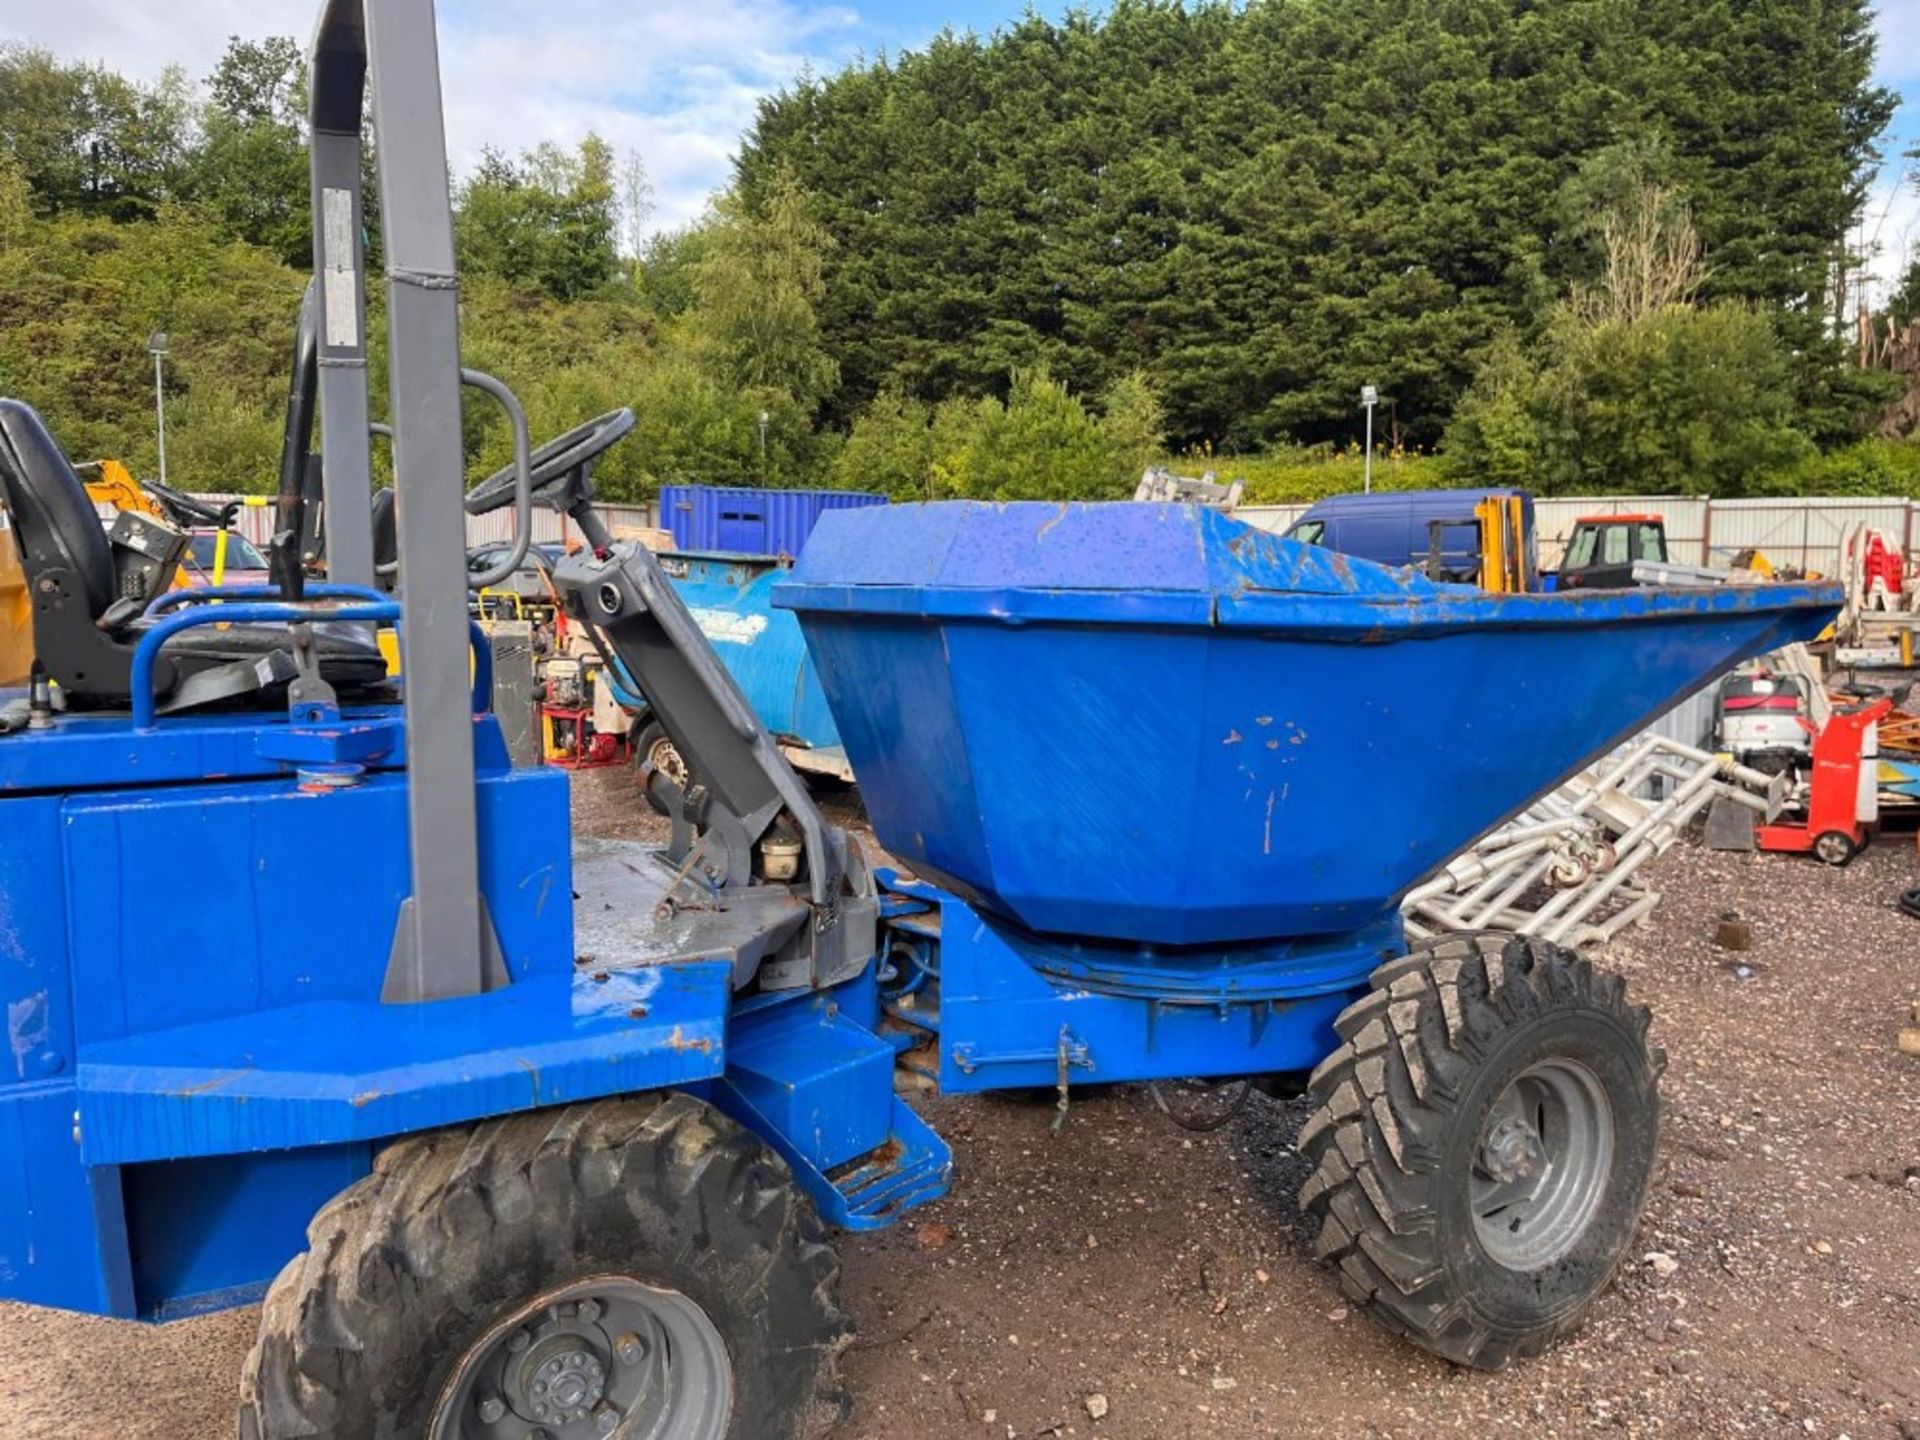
636 1268
1483 1144
655 748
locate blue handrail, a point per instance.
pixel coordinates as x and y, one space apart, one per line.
380 611
195 595
148 651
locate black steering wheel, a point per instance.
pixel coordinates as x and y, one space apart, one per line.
553 462
186 510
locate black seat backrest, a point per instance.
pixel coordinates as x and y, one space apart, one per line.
386 538
53 519
70 577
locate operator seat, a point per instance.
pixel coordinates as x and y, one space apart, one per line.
85 636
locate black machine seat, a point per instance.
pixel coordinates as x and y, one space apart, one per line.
69 570
54 522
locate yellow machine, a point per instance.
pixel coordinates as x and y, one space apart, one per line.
16 616
1505 567
116 486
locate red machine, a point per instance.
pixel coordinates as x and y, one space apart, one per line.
1878 568
1843 798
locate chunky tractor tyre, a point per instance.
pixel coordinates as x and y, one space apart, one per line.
638 1267
1483 1144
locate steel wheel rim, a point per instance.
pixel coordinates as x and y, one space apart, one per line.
1541 1164
604 1358
664 756
1834 848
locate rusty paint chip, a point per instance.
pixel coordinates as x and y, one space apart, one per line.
678 1041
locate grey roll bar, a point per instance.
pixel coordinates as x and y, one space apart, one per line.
445 944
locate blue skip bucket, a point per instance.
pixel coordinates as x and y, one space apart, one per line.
1153 723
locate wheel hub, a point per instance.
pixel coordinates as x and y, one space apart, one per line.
1543 1164
587 1361
565 1385
664 756
1513 1151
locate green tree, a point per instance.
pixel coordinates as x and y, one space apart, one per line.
250 171
547 221
889 449
1041 443
1635 386
16 202
755 281
1266 205
89 139
1903 305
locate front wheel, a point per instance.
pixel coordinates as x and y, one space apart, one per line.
1483 1144
639 1268
1835 848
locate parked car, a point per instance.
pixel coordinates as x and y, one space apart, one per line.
243 563
1437 532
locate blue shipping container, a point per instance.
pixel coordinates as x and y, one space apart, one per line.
750 522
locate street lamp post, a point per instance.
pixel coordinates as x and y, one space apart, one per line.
1369 397
764 418
157 347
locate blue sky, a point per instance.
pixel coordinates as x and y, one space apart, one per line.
677 80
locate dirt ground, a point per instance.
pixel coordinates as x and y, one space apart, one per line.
1774 1289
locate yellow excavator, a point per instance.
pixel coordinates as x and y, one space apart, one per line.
16 617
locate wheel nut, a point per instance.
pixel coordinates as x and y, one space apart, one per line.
606 1418
491 1410
519 1340
589 1311
630 1348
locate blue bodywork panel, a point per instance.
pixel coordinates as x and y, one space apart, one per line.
813 1077
192 951
333 1072
1013 1009
1154 724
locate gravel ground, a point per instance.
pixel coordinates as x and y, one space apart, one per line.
1163 1279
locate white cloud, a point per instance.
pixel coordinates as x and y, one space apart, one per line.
142 40
1891 230
1898 22
676 80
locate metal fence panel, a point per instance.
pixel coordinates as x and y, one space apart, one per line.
1273 518
1693 720
1804 533
255 522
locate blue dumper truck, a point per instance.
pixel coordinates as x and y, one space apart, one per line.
313 999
